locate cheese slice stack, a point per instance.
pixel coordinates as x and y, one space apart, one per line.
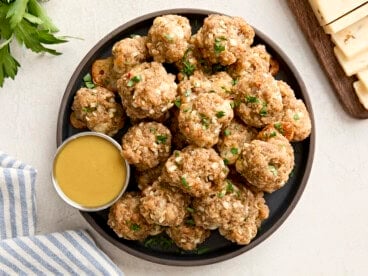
347 23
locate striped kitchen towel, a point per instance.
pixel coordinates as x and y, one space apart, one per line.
17 198
21 253
67 253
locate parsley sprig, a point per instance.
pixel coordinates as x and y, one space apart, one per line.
25 21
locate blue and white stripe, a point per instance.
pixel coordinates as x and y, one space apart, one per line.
21 253
17 198
67 253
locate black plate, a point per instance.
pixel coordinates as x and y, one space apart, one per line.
216 248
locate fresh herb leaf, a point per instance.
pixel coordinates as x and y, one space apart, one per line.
218 46
190 210
234 150
158 242
229 187
220 114
221 194
184 182
16 12
251 99
234 82
161 139
88 109
263 111
135 227
153 130
37 10
272 134
273 169
202 250
177 103
292 172
279 128
27 22
190 222
226 162
8 64
188 68
227 132
218 67
205 121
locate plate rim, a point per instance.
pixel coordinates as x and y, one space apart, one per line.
300 189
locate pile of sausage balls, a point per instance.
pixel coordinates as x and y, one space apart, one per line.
207 142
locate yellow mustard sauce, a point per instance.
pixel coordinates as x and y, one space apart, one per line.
90 171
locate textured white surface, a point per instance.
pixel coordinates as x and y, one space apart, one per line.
327 232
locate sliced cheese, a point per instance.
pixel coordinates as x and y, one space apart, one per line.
354 65
347 20
353 39
363 77
327 11
362 93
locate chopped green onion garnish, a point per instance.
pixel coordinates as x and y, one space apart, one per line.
88 81
227 132
134 80
296 117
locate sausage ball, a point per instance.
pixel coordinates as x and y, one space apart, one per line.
146 145
232 140
223 39
179 141
295 113
147 177
255 59
147 91
202 119
221 207
258 99
267 164
103 73
168 38
242 233
98 110
222 84
129 52
191 87
187 236
196 171
127 222
163 205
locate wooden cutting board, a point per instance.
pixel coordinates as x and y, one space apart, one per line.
322 47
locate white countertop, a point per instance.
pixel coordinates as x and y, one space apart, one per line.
327 232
